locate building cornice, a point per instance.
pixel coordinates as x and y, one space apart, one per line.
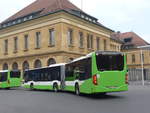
96 23
41 54
55 19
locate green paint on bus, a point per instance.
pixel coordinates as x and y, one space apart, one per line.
97 72
10 79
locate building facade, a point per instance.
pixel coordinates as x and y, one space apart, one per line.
40 35
131 46
138 55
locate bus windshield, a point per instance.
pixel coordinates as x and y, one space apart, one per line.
110 62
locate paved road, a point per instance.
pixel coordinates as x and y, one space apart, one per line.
136 100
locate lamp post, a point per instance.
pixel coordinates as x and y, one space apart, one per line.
82 4
142 67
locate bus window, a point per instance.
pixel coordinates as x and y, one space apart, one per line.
84 69
15 74
55 73
3 76
26 76
110 62
79 70
69 70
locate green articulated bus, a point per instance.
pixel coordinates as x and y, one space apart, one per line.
10 79
98 72
47 78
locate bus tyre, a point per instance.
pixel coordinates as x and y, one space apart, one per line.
77 90
55 87
31 86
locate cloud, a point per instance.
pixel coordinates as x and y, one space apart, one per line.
146 37
10 7
118 10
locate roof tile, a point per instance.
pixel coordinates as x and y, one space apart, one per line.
45 6
136 40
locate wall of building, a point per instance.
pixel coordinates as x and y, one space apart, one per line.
115 46
134 58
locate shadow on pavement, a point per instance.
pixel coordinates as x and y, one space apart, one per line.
89 96
96 96
102 96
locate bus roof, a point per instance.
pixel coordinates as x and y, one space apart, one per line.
60 64
109 52
53 65
80 58
99 52
83 57
1 71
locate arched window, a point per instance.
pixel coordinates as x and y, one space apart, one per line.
25 65
15 66
70 59
37 64
5 66
51 61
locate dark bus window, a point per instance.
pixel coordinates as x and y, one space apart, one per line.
3 76
25 76
15 74
79 70
110 62
45 74
55 73
69 70
84 69
28 76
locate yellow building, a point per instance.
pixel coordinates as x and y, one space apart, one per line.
138 55
138 58
51 31
132 44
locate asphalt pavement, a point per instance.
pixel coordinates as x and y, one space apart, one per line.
136 100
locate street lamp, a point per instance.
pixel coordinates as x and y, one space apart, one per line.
142 67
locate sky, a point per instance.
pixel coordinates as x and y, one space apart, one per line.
118 15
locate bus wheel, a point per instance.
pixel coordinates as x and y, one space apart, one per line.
55 87
31 86
77 90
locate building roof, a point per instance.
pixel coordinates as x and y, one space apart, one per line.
43 7
134 39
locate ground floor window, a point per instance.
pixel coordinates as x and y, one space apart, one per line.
25 65
5 66
15 66
51 61
37 64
